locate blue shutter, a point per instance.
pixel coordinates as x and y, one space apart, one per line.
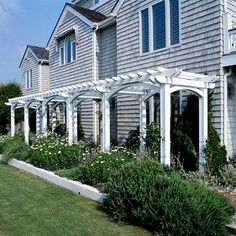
174 22
68 49
159 27
145 31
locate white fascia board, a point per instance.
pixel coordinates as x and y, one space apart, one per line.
25 56
63 14
117 7
229 60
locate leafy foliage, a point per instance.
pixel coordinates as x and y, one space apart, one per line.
97 170
216 154
6 92
151 195
153 139
15 148
132 142
185 135
53 153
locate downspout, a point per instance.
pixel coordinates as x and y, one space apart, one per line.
95 78
226 75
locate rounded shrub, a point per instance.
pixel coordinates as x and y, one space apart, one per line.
149 194
97 170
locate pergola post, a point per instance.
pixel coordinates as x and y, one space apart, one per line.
105 142
142 122
69 120
53 118
151 109
75 124
13 126
26 123
203 128
38 120
44 118
165 108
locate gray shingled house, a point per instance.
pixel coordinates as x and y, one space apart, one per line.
98 39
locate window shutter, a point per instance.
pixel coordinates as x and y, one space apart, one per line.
145 31
159 27
174 21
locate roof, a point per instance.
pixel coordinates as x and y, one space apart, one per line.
91 15
40 52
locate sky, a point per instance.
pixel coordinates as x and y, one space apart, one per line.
24 22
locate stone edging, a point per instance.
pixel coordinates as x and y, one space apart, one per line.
74 186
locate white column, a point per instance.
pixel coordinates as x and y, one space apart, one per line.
38 120
142 123
13 127
44 118
151 109
105 142
26 123
165 108
69 118
227 25
75 124
203 128
54 118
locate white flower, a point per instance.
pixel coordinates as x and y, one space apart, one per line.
59 152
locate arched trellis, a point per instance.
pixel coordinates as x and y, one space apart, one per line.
166 81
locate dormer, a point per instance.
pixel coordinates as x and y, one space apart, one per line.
34 69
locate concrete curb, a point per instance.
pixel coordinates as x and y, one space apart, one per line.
74 186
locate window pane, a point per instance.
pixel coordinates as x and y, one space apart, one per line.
73 51
174 21
68 49
96 1
27 79
30 78
62 56
145 31
159 27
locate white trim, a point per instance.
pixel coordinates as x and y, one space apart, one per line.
117 7
151 29
63 14
40 77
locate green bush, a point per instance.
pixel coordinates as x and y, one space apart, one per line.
132 142
15 148
3 140
148 194
153 139
54 153
100 167
216 154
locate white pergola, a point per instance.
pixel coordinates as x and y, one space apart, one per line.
141 84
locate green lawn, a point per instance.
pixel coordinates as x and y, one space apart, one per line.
32 206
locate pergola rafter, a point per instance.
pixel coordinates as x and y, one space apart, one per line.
141 84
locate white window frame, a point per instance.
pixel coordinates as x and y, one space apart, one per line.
29 79
72 59
167 22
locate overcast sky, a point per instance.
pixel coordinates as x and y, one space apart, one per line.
24 22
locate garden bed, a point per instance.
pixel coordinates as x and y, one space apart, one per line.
74 186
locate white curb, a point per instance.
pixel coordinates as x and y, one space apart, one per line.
74 186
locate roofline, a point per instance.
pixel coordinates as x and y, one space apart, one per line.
73 11
117 7
24 56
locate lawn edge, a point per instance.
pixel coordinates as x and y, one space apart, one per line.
74 186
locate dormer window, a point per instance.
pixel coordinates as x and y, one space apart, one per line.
29 79
68 51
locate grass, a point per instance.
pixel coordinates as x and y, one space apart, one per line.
32 206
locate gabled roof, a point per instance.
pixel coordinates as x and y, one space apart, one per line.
40 53
92 15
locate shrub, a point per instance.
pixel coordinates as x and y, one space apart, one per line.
216 155
100 167
3 140
132 142
153 139
53 153
15 148
151 195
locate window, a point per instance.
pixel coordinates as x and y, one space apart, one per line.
160 25
68 51
96 2
29 79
